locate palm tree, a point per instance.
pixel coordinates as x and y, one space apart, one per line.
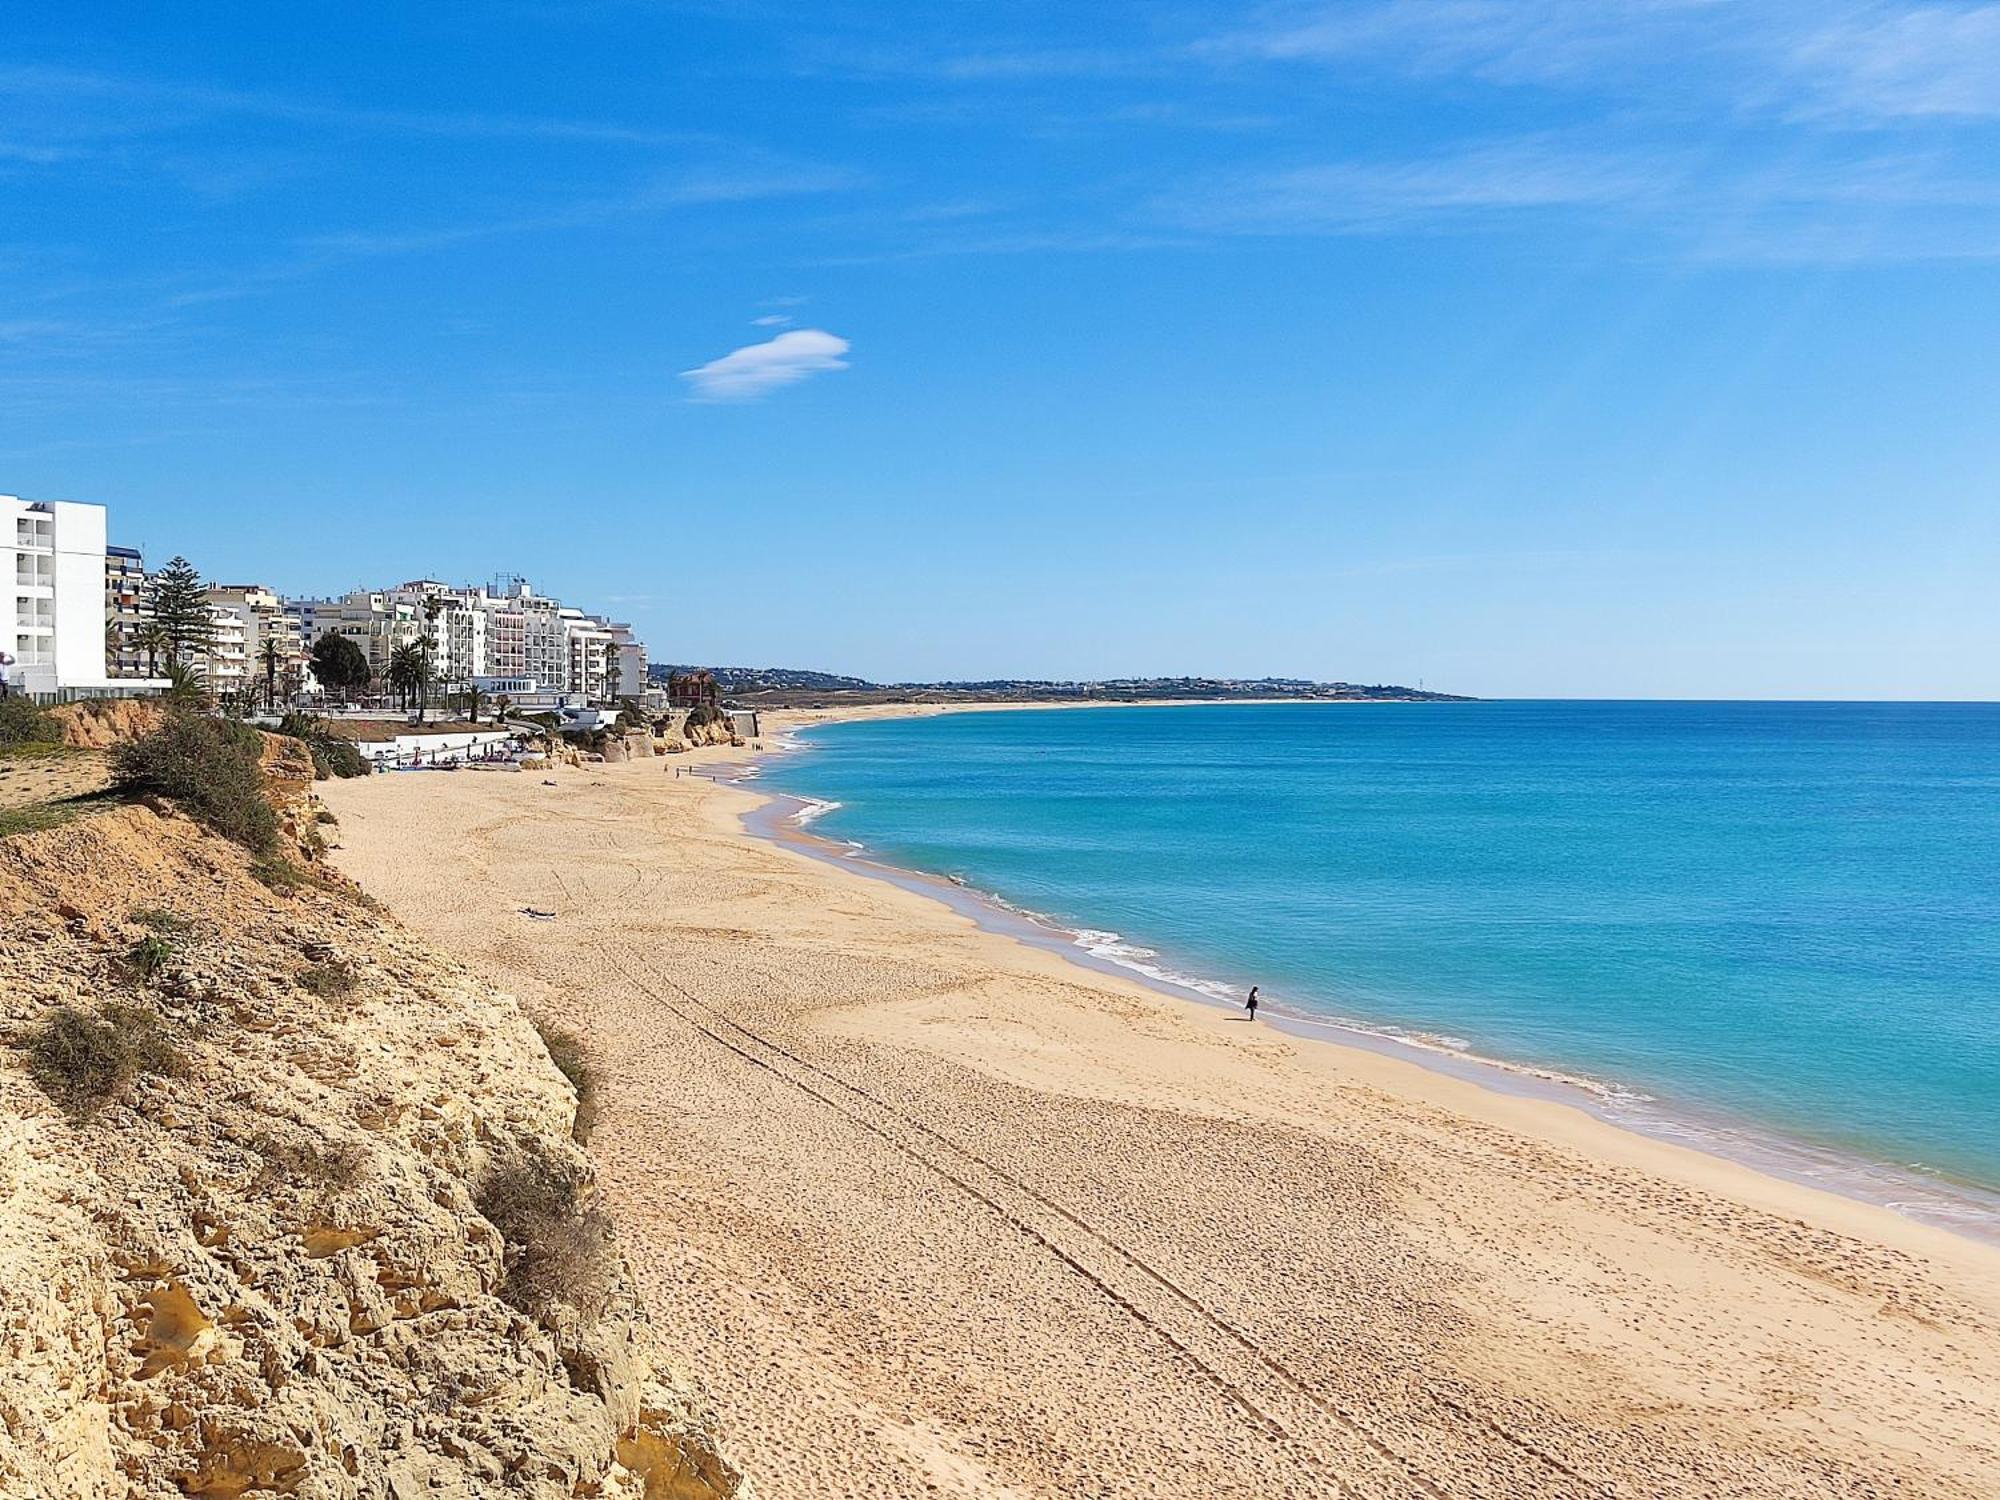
409 675
502 705
271 657
186 684
473 699
433 607
152 638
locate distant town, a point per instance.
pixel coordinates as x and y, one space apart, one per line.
93 619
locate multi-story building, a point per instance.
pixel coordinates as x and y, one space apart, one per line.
499 633
258 617
225 662
52 583
128 610
373 620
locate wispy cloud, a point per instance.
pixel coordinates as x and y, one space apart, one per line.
1829 206
1360 196
770 320
79 104
758 369
1880 60
1938 61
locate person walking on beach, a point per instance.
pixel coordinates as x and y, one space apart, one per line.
1251 1003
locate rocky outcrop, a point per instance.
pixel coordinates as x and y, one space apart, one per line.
263 1266
708 726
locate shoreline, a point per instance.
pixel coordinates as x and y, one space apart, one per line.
935 1211
1968 1209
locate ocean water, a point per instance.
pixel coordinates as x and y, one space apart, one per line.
1779 916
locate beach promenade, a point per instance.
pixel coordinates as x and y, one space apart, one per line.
935 1213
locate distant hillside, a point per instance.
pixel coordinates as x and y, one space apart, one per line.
793 686
770 679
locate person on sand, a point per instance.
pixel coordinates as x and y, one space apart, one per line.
1251 1003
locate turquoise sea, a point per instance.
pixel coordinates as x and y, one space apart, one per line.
1768 919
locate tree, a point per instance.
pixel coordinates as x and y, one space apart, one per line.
154 641
473 699
271 657
409 675
181 608
186 685
339 664
433 607
610 671
502 706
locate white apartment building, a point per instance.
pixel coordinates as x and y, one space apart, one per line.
53 629
504 632
371 619
247 616
128 610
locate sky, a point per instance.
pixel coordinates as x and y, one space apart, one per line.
1630 348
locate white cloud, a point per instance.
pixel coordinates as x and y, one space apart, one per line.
1927 60
758 369
771 320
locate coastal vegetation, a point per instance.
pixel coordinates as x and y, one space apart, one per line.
332 756
84 1061
557 1234
209 767
22 723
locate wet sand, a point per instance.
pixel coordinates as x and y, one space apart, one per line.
935 1212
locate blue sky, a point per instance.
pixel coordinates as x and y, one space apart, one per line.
1629 348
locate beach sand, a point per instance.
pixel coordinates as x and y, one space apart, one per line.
933 1212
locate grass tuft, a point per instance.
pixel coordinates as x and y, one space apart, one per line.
83 1062
162 921
329 1166
148 956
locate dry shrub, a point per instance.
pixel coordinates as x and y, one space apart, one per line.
307 1162
83 1062
557 1234
573 1059
329 981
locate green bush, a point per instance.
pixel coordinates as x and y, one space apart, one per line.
573 1060
208 766
160 920
149 955
558 1237
332 756
83 1062
21 723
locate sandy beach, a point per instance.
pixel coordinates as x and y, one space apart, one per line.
931 1211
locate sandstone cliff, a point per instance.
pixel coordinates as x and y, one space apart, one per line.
265 1263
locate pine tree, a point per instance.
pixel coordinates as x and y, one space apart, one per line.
180 608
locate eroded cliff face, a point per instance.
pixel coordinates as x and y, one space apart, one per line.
263 1266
